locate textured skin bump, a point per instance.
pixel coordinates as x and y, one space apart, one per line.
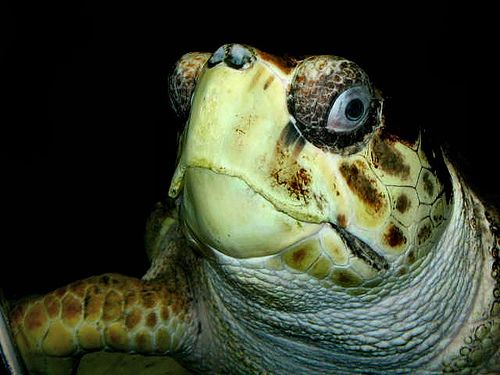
103 312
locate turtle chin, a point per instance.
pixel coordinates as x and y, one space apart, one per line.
226 215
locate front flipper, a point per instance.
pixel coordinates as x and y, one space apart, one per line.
108 312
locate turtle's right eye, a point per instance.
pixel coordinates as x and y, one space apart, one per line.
182 81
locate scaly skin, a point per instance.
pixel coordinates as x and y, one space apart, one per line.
412 324
306 238
111 312
125 314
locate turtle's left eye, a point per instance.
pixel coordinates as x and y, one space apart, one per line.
349 110
183 79
333 103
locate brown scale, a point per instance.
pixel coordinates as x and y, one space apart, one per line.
389 158
109 311
394 237
362 185
403 203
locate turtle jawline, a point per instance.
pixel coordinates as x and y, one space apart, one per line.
361 250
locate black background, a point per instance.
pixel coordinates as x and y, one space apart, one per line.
88 139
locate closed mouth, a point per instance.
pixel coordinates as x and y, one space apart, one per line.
355 245
362 250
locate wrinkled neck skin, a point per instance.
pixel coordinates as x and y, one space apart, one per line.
258 320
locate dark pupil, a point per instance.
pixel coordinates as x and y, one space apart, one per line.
354 109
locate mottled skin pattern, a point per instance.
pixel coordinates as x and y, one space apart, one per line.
110 312
290 247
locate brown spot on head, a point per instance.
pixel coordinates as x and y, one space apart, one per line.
297 182
387 158
133 318
428 184
342 220
394 237
403 203
71 309
362 186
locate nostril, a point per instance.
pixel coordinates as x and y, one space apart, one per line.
217 57
239 57
235 56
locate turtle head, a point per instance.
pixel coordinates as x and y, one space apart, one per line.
290 160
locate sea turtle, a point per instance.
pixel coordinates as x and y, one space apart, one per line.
304 236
